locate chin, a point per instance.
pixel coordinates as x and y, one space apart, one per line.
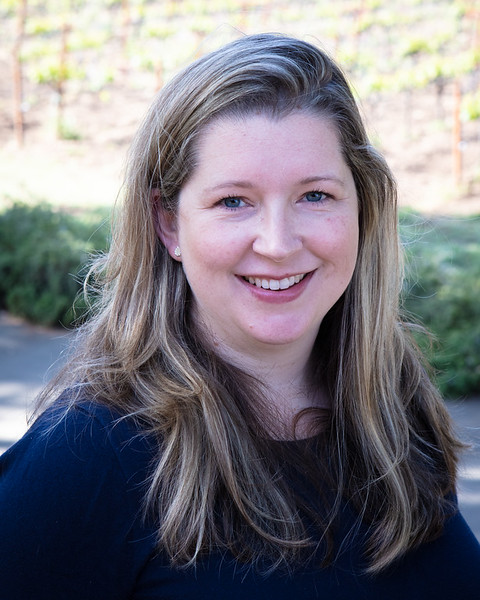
274 338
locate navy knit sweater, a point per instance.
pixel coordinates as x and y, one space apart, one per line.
71 529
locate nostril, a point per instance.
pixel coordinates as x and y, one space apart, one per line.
277 248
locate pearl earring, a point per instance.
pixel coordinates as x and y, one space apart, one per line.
177 251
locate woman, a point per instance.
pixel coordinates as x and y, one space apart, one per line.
245 414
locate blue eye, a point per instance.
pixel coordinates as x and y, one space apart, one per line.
315 196
232 202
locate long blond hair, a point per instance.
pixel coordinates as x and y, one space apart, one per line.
390 443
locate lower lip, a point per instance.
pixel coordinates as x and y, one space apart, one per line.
278 296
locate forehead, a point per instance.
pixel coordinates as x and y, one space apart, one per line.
240 119
296 139
268 156
264 125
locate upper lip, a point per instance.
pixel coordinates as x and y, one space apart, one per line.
275 277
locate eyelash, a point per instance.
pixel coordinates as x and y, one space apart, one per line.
324 194
223 200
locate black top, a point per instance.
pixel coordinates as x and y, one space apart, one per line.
70 529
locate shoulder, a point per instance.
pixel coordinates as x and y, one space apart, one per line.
70 457
447 567
86 434
71 494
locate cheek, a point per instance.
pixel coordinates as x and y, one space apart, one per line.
212 243
339 240
209 250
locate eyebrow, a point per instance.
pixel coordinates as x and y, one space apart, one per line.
321 178
226 184
250 185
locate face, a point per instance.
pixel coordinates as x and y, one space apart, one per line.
267 225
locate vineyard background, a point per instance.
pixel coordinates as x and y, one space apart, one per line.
90 68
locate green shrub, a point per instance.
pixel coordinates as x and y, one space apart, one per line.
442 291
42 252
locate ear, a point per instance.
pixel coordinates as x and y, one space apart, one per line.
165 223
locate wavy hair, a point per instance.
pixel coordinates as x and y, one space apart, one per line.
391 449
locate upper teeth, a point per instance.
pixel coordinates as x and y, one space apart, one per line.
275 284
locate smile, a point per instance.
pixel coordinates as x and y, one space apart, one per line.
275 284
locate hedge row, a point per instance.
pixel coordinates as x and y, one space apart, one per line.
43 253
442 290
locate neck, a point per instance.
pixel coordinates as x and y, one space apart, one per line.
284 374
279 368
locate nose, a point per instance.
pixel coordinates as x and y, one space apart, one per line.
276 235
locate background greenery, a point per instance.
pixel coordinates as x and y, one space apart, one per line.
442 291
44 252
90 67
43 256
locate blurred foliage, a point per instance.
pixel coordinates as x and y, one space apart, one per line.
42 254
385 47
471 107
110 33
442 291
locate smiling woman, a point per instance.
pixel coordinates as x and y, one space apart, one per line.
298 242
245 414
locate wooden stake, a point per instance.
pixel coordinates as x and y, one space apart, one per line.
62 76
18 120
473 13
457 135
126 22
359 14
